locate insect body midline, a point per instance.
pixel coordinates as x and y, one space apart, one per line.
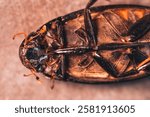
107 46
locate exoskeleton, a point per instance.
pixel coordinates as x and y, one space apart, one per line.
99 44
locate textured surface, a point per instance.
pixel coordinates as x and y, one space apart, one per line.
24 15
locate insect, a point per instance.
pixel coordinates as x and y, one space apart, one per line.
99 44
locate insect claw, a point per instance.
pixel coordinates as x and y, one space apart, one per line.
37 78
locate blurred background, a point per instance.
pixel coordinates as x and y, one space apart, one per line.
26 16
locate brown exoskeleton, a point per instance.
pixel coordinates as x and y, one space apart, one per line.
99 44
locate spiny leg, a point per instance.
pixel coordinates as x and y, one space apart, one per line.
89 24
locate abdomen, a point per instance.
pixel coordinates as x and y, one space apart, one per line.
110 24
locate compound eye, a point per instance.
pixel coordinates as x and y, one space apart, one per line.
32 53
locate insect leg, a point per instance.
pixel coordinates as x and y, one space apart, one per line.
143 63
136 57
61 36
18 34
142 66
105 64
139 28
89 24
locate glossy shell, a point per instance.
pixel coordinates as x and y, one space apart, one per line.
110 24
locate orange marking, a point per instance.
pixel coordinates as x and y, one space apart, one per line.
139 13
124 13
144 62
43 30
